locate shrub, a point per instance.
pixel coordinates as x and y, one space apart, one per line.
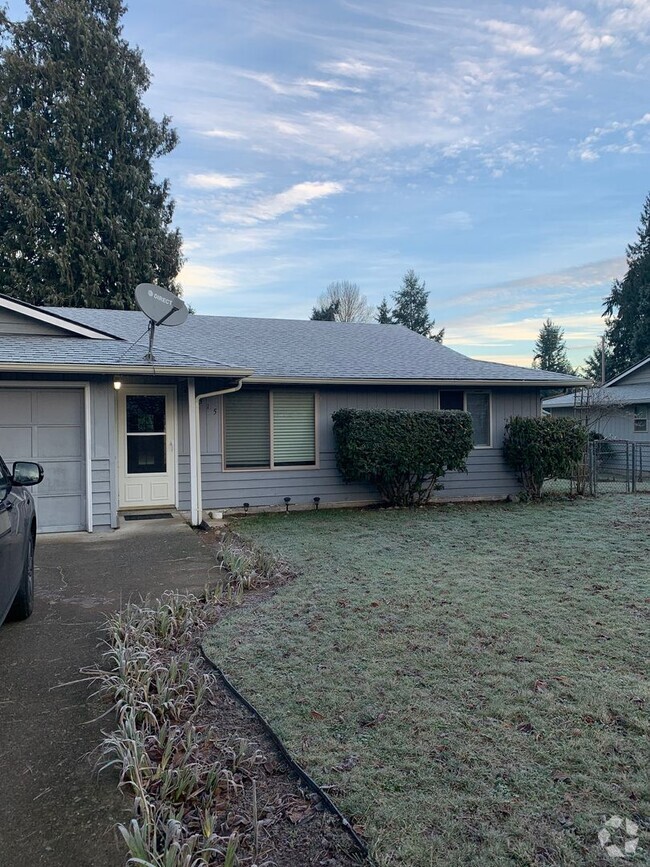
544 448
402 453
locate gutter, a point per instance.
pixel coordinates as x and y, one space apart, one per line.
438 383
194 399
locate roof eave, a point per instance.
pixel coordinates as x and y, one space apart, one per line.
133 369
312 380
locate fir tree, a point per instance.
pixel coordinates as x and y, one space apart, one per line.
628 305
384 316
325 314
550 349
592 365
411 307
83 219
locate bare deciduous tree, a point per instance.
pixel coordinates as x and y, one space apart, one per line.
347 301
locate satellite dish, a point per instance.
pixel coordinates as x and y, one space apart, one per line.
162 307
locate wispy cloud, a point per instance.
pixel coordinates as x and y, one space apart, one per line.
459 220
621 137
204 281
214 181
270 208
227 134
350 68
305 87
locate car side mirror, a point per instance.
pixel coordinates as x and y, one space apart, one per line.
26 473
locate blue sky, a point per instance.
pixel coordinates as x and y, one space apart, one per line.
498 148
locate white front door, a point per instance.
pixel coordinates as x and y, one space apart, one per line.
147 446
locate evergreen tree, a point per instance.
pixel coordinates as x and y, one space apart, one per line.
628 305
550 349
384 316
83 219
325 314
411 308
592 365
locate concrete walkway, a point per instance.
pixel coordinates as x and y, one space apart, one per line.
53 809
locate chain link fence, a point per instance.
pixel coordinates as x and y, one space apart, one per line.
609 467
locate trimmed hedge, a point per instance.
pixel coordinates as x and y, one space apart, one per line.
544 448
402 453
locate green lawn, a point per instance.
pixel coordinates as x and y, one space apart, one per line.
471 680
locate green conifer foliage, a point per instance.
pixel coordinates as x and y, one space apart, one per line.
83 219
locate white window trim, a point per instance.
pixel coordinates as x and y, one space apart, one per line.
272 468
488 445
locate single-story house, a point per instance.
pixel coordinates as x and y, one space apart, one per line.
229 411
619 409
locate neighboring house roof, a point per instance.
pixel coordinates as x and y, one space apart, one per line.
621 395
283 350
609 393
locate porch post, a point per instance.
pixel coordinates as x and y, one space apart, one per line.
195 453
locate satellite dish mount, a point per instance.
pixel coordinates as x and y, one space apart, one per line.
161 307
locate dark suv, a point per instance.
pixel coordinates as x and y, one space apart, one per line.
17 538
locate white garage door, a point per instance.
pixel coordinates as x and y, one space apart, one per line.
47 425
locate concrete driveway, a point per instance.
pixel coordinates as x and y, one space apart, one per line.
53 809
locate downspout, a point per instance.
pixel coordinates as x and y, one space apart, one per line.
196 494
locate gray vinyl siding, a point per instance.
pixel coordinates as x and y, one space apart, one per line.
16 323
104 452
101 484
616 424
639 377
488 476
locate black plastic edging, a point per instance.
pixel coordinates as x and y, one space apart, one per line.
304 776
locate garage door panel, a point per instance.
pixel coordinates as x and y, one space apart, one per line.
60 477
16 443
16 408
66 409
47 425
59 442
55 514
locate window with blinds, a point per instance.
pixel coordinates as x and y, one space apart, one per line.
294 436
247 429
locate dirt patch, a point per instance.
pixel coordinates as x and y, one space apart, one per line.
294 826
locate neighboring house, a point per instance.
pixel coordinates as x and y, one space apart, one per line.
231 410
619 409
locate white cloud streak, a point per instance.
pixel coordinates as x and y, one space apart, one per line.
214 181
270 208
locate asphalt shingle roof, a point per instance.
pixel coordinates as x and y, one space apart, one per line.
285 349
616 394
31 349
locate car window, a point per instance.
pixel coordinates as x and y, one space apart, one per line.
4 480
